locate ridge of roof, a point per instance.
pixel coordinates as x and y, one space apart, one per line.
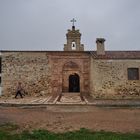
108 54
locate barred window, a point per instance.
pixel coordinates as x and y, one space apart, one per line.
133 73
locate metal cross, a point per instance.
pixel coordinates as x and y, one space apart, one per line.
73 20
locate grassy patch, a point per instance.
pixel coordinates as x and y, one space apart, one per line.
82 134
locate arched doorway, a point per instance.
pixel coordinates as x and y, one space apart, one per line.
74 83
70 71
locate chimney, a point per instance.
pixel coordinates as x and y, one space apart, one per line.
100 46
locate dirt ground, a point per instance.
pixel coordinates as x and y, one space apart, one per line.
60 119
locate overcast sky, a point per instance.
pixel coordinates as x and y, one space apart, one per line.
42 24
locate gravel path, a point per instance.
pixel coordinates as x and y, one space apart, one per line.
67 118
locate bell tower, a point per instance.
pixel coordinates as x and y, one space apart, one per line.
73 37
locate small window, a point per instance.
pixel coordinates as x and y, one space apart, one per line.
133 73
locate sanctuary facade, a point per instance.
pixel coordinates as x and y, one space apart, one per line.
99 74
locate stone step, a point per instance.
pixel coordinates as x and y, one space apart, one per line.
70 98
71 94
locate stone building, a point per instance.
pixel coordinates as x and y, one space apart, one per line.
100 74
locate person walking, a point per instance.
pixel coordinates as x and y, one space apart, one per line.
19 90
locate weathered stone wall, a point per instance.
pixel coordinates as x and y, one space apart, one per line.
32 69
109 79
43 73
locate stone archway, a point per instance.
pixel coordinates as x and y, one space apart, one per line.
74 83
70 77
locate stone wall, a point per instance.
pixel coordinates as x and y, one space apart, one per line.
32 69
109 79
43 73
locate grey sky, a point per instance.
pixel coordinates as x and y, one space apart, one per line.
42 24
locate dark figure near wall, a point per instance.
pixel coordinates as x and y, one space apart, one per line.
19 90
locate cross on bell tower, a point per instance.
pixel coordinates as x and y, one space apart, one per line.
73 20
73 39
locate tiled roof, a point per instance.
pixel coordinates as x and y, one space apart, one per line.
117 55
108 54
